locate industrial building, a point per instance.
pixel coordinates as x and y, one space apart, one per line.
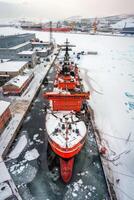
13 44
41 52
17 85
12 68
29 56
43 49
5 114
14 40
11 53
40 44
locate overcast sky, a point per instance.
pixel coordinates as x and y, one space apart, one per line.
60 9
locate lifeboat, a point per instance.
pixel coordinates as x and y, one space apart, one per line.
65 122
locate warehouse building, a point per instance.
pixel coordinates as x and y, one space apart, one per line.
43 49
29 56
11 53
13 44
11 69
14 40
41 52
18 84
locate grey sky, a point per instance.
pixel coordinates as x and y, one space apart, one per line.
59 9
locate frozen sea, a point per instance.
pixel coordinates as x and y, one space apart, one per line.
110 76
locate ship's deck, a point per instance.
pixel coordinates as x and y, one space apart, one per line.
65 129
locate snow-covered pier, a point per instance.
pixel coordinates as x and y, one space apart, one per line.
21 105
7 186
19 108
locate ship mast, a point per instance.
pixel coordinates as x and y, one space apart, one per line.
66 56
66 63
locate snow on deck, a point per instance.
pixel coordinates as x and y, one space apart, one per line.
65 137
12 66
3 106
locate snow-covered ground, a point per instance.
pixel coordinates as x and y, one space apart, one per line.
110 76
7 186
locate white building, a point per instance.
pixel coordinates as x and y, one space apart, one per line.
41 52
29 56
12 68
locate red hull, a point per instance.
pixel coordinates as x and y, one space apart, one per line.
66 169
67 152
66 156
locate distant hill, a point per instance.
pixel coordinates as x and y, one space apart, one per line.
129 22
74 18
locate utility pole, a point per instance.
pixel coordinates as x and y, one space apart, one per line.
51 36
